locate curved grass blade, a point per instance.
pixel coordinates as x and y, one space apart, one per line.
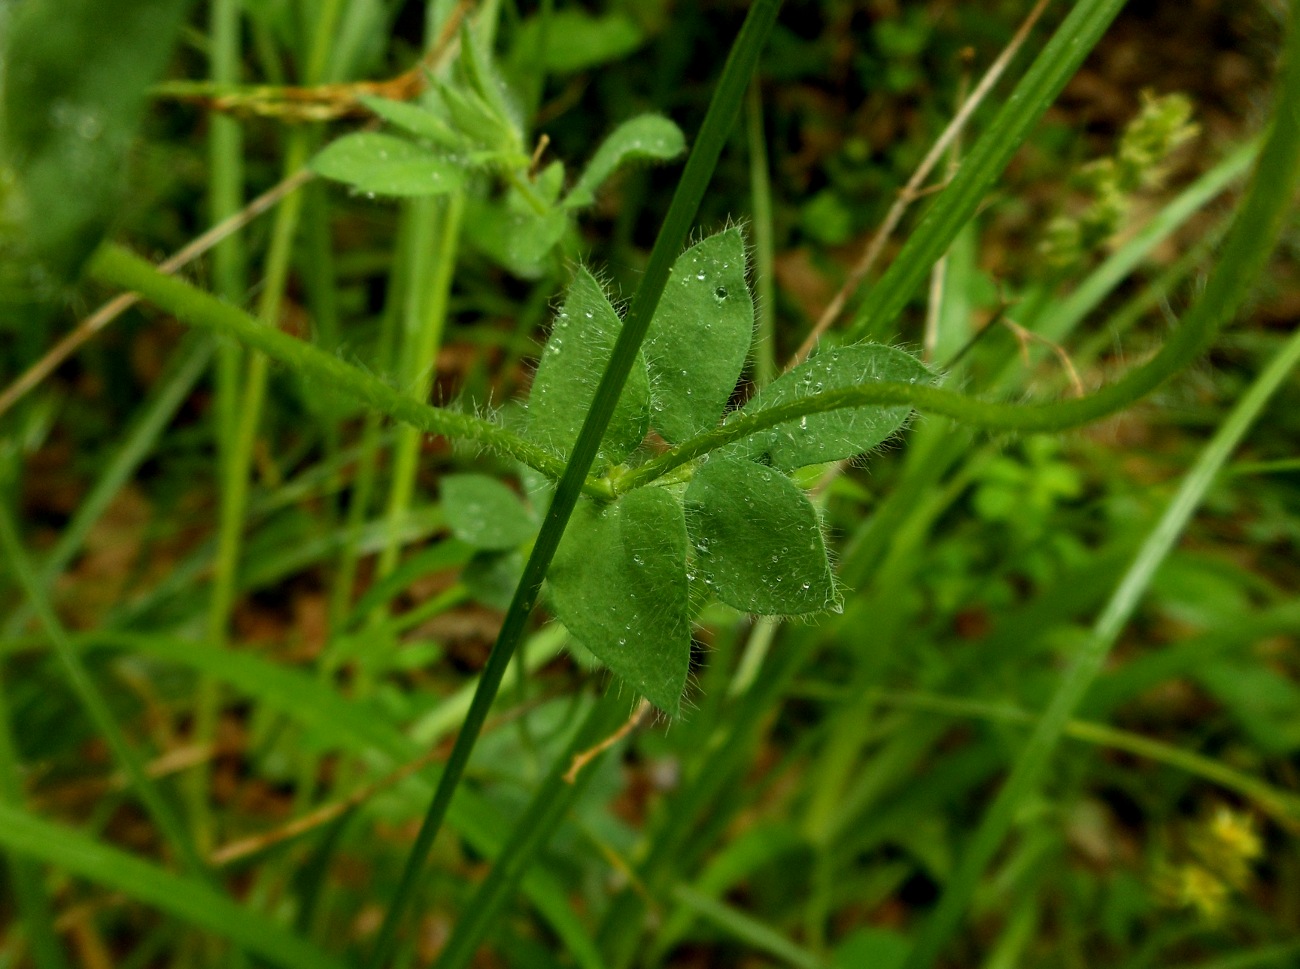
185 898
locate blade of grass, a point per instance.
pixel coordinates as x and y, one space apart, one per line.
186 898
96 706
721 116
141 437
1054 66
25 876
1257 225
546 809
747 929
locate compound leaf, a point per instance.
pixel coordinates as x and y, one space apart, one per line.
758 539
699 337
618 583
484 513
379 164
647 137
832 435
570 369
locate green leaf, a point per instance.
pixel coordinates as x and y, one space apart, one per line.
618 582
75 78
569 372
699 338
185 898
484 513
758 539
479 121
648 137
832 435
576 41
491 577
415 119
518 239
378 164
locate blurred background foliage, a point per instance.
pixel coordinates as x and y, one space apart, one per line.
811 803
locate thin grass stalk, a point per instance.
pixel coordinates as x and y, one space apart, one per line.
1256 227
723 110
546 809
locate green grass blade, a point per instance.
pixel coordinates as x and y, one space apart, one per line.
747 929
185 898
93 700
681 213
1262 213
1054 66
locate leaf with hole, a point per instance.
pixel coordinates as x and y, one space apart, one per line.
699 337
618 582
485 513
576 354
648 137
757 538
838 434
379 164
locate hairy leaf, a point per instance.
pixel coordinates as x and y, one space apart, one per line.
379 164
618 582
484 513
838 434
567 376
648 137
758 539
700 336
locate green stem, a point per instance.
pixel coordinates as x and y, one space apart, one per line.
1247 248
117 266
1255 229
433 249
718 121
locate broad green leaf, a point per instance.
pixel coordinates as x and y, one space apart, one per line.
618 582
415 119
576 41
758 539
699 338
186 898
479 121
570 369
484 513
379 164
838 434
649 137
75 81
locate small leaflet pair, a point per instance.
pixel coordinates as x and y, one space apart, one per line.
629 573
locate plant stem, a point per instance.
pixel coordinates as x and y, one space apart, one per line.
117 266
721 116
760 186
